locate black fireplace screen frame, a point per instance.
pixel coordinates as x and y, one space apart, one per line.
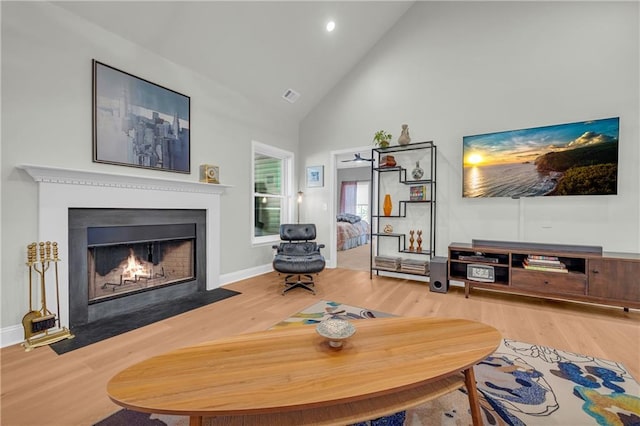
102 227
109 235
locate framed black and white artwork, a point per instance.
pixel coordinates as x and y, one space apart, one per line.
138 123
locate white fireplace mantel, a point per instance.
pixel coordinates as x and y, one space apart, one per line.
117 180
60 189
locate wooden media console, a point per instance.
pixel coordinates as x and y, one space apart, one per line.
553 271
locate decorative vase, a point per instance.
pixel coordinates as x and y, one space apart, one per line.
417 173
419 240
387 206
404 138
411 240
384 144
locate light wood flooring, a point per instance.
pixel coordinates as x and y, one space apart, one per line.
356 258
41 387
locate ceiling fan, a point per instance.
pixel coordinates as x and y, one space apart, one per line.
358 158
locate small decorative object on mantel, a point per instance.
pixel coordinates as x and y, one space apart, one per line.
404 138
209 173
417 173
382 138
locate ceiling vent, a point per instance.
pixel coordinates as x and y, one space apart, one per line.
291 95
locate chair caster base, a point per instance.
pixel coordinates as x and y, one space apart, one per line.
290 285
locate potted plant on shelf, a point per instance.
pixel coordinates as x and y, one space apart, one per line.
382 138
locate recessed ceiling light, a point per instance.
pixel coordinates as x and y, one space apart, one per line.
331 26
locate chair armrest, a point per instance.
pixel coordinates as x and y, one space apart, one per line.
320 246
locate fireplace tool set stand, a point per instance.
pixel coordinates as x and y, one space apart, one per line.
42 327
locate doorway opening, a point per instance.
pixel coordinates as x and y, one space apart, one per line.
351 197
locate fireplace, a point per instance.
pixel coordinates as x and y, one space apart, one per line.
61 190
122 260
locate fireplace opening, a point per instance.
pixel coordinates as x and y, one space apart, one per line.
132 259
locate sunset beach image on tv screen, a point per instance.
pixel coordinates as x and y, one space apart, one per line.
565 159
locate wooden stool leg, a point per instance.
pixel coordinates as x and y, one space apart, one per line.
474 400
195 421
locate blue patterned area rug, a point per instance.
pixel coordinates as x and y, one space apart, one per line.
520 384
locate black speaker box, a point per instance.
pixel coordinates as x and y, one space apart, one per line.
438 275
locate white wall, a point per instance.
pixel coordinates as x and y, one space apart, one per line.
46 120
450 69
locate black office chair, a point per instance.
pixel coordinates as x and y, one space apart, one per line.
298 256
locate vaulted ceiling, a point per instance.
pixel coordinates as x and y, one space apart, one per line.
259 49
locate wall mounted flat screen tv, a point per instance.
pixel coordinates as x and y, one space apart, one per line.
565 159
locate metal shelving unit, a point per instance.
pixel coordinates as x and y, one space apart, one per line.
406 213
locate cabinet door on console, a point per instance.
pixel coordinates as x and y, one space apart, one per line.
614 279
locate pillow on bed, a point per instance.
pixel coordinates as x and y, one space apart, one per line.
348 217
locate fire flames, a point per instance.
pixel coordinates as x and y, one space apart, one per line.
133 269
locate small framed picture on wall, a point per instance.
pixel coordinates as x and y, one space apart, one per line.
315 176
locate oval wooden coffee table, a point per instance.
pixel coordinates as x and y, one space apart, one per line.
291 376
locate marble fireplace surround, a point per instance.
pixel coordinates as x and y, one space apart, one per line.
60 189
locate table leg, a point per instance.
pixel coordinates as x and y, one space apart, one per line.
195 421
474 400
466 290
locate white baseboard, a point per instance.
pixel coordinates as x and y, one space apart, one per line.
11 335
402 276
245 273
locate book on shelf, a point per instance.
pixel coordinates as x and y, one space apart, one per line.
414 266
542 258
541 261
547 265
550 263
557 264
545 268
391 263
418 193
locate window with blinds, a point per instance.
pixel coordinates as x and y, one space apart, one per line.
272 181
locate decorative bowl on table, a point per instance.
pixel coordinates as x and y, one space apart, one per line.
336 331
